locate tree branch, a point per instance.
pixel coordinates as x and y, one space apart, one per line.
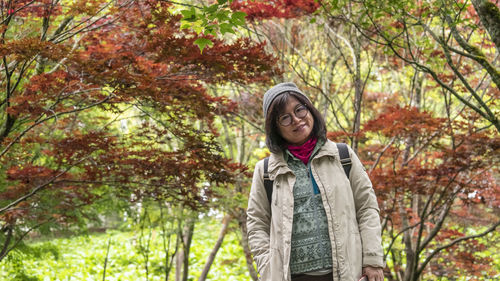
21 238
452 243
225 223
382 153
48 118
38 188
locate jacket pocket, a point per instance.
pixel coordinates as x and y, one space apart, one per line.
266 272
273 270
355 254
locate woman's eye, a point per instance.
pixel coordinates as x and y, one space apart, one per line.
300 110
285 119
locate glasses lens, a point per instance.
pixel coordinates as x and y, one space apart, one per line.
285 120
301 111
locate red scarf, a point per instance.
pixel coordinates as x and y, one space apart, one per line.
304 151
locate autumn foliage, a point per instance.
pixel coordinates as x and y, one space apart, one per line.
258 10
65 84
436 175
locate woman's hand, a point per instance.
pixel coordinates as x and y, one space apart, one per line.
373 273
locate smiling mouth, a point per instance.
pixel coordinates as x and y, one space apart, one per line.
299 127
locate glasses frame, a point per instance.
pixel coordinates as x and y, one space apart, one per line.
295 114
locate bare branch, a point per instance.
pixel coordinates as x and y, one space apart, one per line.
382 153
454 242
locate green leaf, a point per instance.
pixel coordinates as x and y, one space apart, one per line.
212 17
313 20
186 13
211 9
204 21
202 43
197 27
238 18
222 16
189 15
226 28
211 29
221 2
186 26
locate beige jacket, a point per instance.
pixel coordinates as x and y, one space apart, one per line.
351 209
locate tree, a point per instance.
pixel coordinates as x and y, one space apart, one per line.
443 39
431 189
71 72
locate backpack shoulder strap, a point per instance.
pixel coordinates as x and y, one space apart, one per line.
268 184
345 159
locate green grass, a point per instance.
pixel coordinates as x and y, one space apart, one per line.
82 257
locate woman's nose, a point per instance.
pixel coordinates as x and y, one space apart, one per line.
295 118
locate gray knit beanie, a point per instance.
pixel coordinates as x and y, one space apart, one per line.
275 91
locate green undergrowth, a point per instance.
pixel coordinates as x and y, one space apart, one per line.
82 257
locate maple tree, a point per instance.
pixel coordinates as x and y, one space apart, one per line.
453 42
71 71
429 186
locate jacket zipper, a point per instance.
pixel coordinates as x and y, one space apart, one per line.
334 238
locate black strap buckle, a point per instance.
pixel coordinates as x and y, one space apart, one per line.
346 161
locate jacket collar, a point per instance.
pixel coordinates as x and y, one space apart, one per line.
278 165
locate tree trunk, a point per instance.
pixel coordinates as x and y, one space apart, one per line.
211 257
182 259
7 126
242 221
5 248
167 238
409 249
179 259
411 256
188 238
489 14
106 260
145 240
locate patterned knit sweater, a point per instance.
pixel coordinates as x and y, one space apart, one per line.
311 246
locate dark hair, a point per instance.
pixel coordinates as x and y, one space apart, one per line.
274 141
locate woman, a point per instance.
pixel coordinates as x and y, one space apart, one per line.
319 225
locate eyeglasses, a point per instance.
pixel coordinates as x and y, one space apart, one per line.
300 112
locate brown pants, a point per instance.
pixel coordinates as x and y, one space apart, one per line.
304 277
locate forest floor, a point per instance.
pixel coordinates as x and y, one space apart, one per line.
83 257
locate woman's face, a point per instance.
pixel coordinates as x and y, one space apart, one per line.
299 130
